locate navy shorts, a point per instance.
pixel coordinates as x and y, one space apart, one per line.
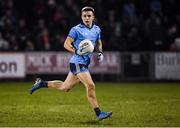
77 68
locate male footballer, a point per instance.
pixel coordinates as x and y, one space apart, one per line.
79 61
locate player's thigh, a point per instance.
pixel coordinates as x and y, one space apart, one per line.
85 78
71 79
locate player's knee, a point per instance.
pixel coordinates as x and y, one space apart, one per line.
91 87
90 93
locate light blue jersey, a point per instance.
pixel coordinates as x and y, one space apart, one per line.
79 33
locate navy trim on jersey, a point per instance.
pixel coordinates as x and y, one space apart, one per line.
87 26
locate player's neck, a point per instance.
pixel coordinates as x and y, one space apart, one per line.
88 26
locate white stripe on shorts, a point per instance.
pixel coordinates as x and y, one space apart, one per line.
77 68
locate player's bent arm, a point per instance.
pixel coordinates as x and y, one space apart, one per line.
68 44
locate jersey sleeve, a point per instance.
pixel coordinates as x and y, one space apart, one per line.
73 33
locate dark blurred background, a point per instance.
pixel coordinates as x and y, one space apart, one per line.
127 25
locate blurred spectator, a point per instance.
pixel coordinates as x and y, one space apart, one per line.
42 36
39 9
22 33
13 43
59 18
155 6
4 45
133 40
29 46
172 33
175 46
154 32
129 13
58 42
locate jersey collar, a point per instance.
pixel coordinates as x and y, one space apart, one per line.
83 25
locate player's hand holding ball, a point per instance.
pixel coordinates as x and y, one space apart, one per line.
80 51
100 56
85 47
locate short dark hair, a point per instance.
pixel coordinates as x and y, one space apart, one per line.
87 8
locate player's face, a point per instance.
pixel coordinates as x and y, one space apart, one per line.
87 18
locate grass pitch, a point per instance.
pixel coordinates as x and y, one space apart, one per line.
133 104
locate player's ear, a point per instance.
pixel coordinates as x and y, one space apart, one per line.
93 17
